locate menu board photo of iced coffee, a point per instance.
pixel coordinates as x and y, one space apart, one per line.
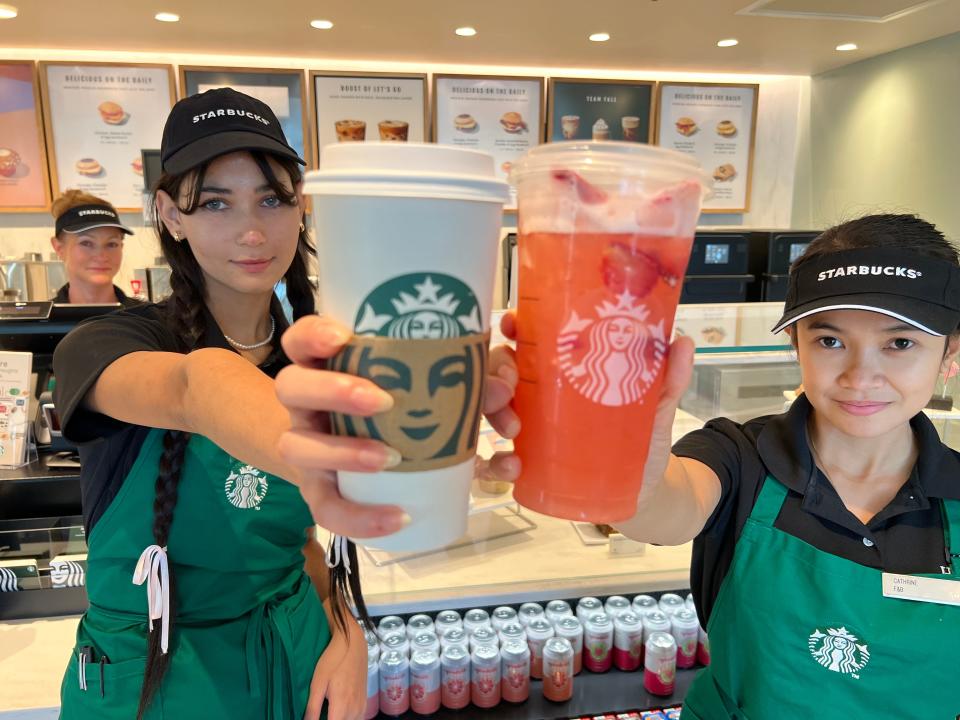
717 125
502 116
590 109
23 160
98 118
368 108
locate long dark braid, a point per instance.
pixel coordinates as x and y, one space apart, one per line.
184 310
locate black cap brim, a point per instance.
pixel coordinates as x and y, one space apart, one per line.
213 146
77 229
928 317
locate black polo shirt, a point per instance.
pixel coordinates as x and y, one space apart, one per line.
109 447
905 537
63 297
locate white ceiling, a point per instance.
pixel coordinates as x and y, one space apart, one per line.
678 35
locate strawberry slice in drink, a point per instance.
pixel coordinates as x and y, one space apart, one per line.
628 269
588 194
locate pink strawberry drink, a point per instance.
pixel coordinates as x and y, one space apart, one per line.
425 682
394 683
598 643
605 235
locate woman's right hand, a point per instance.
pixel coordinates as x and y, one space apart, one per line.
310 393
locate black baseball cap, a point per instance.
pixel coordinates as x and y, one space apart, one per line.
87 217
919 290
213 123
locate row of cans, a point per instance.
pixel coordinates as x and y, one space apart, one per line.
671 713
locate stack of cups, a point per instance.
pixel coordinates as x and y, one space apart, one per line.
407 239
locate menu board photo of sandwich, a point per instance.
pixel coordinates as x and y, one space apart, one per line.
502 116
99 117
372 107
717 125
23 160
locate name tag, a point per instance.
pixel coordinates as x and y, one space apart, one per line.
921 589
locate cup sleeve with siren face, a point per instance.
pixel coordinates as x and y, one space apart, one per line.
420 338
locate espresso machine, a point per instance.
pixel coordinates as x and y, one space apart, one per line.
154 280
31 278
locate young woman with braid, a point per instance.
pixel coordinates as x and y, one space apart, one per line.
193 484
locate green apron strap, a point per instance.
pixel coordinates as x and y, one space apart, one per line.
951 533
769 502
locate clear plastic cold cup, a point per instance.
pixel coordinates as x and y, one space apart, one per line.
605 233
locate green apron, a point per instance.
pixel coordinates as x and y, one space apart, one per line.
249 626
797 631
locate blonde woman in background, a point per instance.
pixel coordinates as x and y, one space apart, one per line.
88 238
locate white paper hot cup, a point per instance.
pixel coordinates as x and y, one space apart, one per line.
407 240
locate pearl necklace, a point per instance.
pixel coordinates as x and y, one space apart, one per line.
241 346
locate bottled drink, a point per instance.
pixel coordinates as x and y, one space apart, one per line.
455 678
685 629
588 607
425 682
598 643
515 671
394 683
485 677
557 609
571 629
538 632
660 664
476 619
627 642
503 616
616 605
558 670
529 612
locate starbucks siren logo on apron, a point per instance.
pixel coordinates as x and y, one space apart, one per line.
613 357
419 337
839 650
246 487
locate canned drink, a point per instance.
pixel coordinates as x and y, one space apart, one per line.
484 636
455 637
397 641
598 643
425 682
447 620
485 677
503 615
373 682
557 609
475 619
588 607
515 671
394 683
455 678
670 603
419 624
390 625
703 647
558 670
538 632
529 612
572 629
685 629
512 631
660 664
616 605
655 621
642 604
425 641
627 642
371 637
688 602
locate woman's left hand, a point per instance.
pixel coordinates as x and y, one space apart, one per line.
340 677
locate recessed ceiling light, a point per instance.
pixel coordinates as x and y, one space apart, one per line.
167 17
7 12
466 31
847 47
729 42
600 37
321 24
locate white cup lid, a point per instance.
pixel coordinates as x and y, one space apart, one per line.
422 170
